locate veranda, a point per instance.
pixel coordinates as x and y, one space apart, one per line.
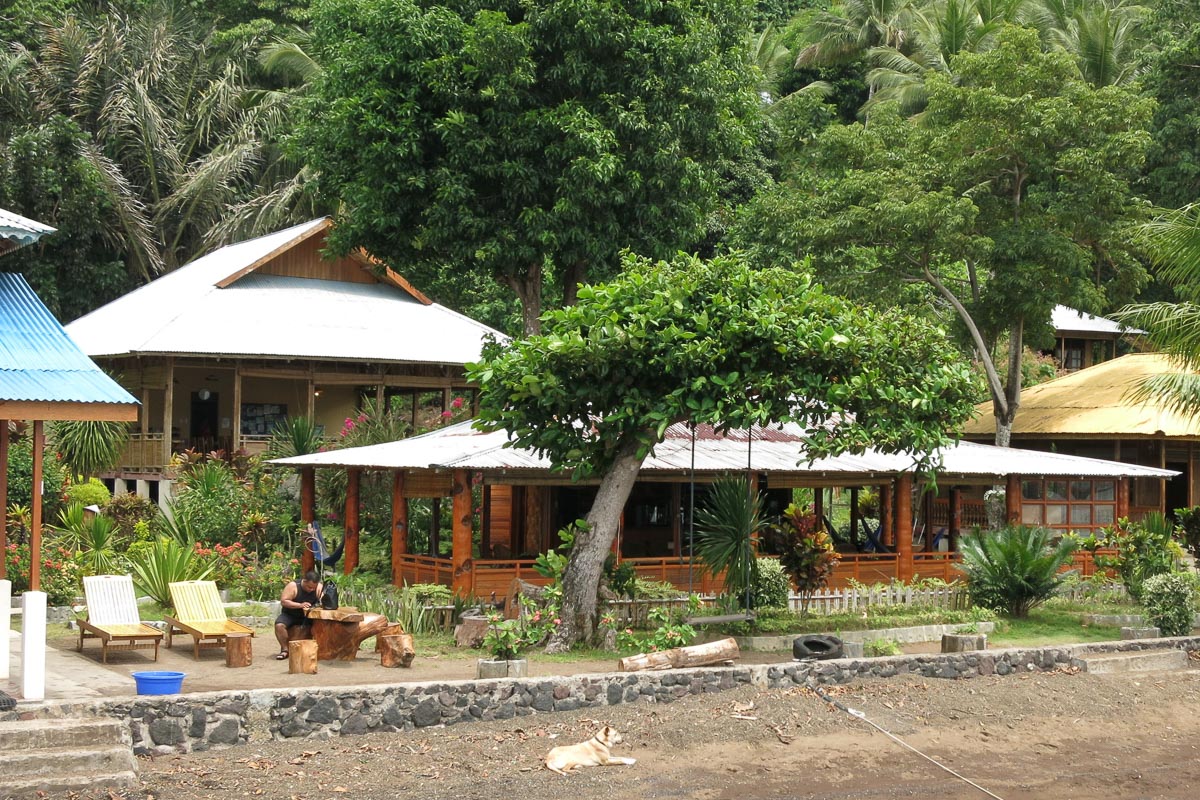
524 502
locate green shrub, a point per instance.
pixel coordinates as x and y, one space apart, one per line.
882 647
265 576
430 594
163 563
1170 602
724 531
127 510
808 553
655 590
90 493
774 585
1189 527
1144 549
1015 568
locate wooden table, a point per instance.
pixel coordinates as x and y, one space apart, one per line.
339 632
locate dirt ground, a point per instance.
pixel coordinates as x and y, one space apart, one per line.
1062 735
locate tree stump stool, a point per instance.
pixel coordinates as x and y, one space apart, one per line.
396 650
470 630
238 650
391 630
302 657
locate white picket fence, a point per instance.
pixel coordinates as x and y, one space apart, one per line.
843 600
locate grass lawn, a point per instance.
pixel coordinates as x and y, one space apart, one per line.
1048 626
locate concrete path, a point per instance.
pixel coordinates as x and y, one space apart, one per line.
70 676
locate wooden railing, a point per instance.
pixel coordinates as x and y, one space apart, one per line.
424 569
143 453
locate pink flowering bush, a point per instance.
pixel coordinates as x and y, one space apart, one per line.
264 578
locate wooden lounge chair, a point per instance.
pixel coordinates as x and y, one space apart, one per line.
199 613
113 617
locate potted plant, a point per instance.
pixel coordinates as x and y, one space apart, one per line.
503 640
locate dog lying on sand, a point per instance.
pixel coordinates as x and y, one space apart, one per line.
592 753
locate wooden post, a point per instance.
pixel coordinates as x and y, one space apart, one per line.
887 516
904 553
819 504
854 514
35 515
239 650
396 651
1012 500
1123 497
168 413
351 533
399 524
302 657
3 507
235 435
485 523
927 517
308 511
955 517
460 554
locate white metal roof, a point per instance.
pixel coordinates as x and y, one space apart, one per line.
772 450
20 231
273 316
1068 320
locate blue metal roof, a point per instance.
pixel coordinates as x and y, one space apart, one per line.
38 360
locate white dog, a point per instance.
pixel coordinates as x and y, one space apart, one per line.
592 753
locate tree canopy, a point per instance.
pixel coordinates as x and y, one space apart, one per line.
711 342
1009 194
527 141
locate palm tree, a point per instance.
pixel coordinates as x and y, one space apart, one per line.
1103 36
177 130
855 26
89 447
1173 242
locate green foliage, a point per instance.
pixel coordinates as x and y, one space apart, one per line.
551 563
1144 549
90 493
20 478
725 527
523 141
774 585
667 635
61 572
165 562
128 509
1011 193
1173 163
808 554
873 648
210 501
264 577
295 436
505 639
430 594
1188 520
94 540
644 589
88 447
1170 601
1015 568
622 578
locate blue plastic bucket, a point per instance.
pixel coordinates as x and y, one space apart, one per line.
158 682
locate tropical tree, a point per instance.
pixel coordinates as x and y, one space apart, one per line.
708 342
1011 194
527 142
88 447
1102 35
176 132
852 27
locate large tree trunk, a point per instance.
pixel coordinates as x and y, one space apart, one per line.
528 289
585 565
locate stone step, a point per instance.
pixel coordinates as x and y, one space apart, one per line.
57 762
13 788
1138 661
36 734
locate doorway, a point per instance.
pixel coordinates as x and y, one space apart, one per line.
204 420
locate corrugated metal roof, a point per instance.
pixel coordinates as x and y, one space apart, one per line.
20 231
776 449
38 361
1093 401
275 316
1068 320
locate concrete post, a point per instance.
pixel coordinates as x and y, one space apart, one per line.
33 646
5 626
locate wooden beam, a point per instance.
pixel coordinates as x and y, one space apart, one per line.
100 412
236 433
1123 497
887 516
308 511
351 534
460 554
325 225
399 524
168 411
904 523
3 499
1012 500
854 514
955 517
35 524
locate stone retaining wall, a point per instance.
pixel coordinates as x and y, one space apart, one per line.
184 723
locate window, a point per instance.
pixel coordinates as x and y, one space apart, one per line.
1074 504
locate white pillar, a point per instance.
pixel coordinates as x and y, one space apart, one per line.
5 626
142 488
33 646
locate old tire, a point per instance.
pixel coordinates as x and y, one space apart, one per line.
817 646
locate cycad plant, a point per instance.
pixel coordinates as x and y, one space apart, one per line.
89 447
1014 569
94 539
725 527
295 436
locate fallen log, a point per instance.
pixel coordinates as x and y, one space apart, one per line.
698 655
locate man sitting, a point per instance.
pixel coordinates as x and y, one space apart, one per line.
297 598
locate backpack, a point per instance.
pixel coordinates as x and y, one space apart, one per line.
329 597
